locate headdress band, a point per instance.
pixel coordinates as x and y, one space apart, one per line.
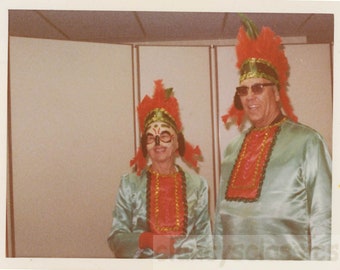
258 68
160 114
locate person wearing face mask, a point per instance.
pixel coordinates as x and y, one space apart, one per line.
161 210
274 199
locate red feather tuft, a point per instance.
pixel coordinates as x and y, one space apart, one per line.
159 100
235 114
192 155
139 161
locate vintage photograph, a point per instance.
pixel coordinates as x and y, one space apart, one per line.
174 135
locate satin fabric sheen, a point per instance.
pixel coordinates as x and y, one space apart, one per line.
129 220
291 220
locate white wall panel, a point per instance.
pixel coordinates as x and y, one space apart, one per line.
310 86
227 81
72 138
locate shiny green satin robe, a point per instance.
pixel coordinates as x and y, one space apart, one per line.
291 220
129 220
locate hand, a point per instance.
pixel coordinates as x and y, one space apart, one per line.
158 243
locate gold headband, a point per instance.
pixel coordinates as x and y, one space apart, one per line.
159 114
258 68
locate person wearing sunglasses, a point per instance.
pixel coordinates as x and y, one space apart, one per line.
161 210
274 199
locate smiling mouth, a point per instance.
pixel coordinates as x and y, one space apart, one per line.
252 107
159 149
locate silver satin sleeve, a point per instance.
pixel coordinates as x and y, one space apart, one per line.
127 226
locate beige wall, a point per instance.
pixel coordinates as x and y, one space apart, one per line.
72 114
72 111
310 87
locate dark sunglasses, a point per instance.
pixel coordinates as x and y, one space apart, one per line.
256 88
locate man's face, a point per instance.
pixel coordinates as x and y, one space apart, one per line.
261 108
161 142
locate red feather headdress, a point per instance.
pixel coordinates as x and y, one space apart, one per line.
261 56
163 106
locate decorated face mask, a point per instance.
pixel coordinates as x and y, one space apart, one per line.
161 143
160 134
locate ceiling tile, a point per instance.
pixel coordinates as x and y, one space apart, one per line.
130 26
97 26
26 23
182 25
